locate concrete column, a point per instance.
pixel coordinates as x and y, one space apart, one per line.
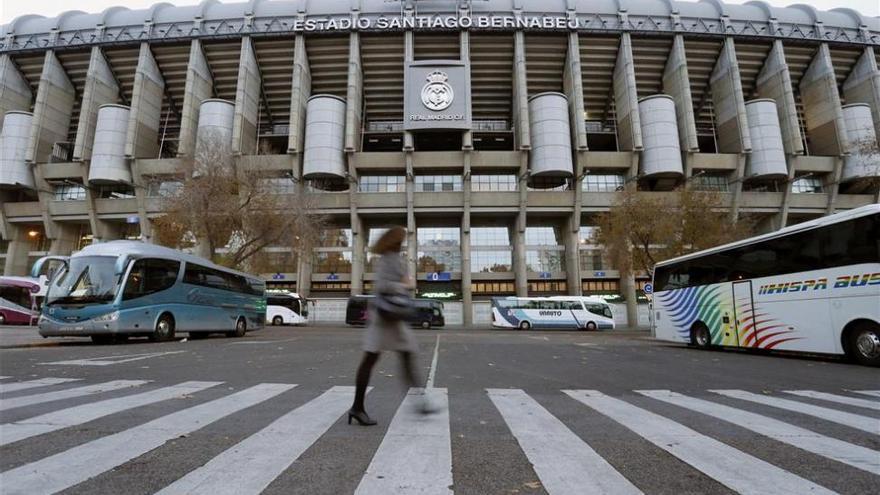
737 186
354 96
572 267
677 84
65 238
467 301
519 231
774 81
199 87
142 139
248 92
140 194
100 88
411 244
304 274
574 91
628 288
626 98
729 105
412 249
358 253
301 89
822 108
52 110
17 254
863 85
15 92
522 133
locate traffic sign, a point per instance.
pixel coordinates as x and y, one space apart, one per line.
649 288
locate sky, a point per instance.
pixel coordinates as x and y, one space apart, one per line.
10 9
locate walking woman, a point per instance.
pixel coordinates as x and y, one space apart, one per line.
387 329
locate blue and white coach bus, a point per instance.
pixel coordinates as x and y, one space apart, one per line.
560 312
113 290
811 287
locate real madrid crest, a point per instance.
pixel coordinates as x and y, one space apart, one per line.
437 95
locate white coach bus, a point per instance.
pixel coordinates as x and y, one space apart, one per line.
561 312
812 287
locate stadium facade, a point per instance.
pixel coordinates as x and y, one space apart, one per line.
494 130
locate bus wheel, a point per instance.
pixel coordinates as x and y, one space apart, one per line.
591 326
2 319
240 328
278 321
164 329
525 325
426 324
700 336
864 344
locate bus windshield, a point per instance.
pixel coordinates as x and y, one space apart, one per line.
88 279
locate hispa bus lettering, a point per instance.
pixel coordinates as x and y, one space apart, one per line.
811 287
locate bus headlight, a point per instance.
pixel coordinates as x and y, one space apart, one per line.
108 317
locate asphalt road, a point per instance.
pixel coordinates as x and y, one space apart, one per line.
126 421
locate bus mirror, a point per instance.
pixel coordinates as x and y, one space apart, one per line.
37 269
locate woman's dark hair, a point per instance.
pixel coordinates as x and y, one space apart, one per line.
390 242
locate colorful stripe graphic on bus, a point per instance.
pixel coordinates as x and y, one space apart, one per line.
714 307
706 304
761 330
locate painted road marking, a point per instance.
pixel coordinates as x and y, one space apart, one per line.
109 360
40 382
38 425
63 470
70 393
563 462
841 399
735 469
832 448
433 371
251 465
415 455
872 393
864 423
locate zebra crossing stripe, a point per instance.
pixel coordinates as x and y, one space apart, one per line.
832 448
864 423
872 393
251 465
41 382
735 469
38 425
841 399
65 469
563 462
70 393
415 455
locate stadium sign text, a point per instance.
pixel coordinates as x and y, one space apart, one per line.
437 21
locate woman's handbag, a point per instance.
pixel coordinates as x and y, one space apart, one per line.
394 306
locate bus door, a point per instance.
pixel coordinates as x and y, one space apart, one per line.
743 309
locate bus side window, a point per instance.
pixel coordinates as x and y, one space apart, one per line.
148 276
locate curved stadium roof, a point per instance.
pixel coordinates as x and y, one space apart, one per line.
211 17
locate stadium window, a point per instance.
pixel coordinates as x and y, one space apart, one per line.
710 182
381 183
602 182
490 183
806 185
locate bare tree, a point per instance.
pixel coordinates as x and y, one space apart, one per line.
642 229
236 208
